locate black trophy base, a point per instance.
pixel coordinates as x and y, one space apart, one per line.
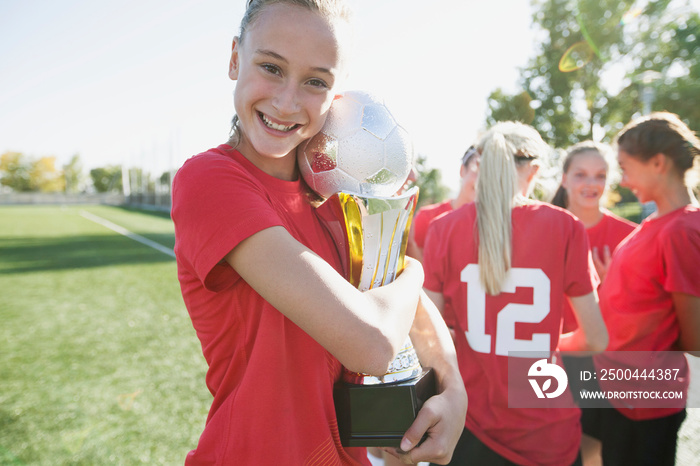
379 415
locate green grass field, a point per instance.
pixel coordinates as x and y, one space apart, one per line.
100 364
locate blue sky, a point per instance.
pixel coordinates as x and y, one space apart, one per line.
144 82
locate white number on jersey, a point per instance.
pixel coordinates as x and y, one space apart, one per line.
510 315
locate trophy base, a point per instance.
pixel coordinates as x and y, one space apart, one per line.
379 415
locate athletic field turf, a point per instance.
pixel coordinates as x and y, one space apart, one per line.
99 363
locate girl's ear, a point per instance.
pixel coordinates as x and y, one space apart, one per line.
234 64
660 162
533 171
564 181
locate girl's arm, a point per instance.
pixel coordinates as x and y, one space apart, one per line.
363 330
591 336
443 415
688 311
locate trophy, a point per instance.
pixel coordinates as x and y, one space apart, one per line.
358 162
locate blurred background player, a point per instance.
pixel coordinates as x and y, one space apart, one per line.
585 179
501 268
584 183
468 171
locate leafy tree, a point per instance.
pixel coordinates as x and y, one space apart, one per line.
141 181
45 177
14 171
503 107
665 43
73 173
584 41
25 174
165 178
107 179
429 181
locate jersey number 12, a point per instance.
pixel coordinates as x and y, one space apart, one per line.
510 315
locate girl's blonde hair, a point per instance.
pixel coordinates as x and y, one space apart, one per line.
332 10
505 147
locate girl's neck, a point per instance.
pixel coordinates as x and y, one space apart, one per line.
589 216
674 199
283 168
459 201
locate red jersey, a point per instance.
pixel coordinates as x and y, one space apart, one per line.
424 216
609 231
550 259
659 258
272 383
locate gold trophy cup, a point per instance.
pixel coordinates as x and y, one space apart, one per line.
370 227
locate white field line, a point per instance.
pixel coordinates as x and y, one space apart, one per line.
123 231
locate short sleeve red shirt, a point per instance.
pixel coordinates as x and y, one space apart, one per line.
272 383
661 257
549 252
424 216
609 231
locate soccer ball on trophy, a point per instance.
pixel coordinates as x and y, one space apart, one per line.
361 149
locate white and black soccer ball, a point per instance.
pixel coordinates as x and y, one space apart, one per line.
360 150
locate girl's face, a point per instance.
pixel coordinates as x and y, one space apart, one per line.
637 175
286 67
585 180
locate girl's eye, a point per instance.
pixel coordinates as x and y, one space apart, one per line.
317 83
272 69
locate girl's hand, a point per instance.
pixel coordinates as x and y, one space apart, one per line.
688 312
602 263
442 419
442 416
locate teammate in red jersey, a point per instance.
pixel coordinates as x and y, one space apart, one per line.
502 268
261 276
468 171
584 182
650 299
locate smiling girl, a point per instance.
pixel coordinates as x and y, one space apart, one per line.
583 186
261 276
584 182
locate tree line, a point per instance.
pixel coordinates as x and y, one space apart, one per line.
23 173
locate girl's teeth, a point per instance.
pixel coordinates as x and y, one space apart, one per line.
272 125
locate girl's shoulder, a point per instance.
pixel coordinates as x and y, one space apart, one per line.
684 219
537 219
535 209
446 222
220 166
212 160
611 217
